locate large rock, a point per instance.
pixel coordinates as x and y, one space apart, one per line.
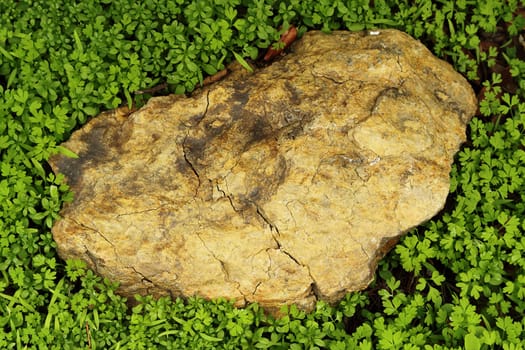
282 186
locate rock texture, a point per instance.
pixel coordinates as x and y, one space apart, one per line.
282 186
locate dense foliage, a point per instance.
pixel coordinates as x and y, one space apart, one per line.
458 281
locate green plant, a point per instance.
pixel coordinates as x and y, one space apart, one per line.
456 282
479 241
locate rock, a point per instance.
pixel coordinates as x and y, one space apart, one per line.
282 186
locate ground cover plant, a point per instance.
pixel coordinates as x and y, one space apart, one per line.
456 282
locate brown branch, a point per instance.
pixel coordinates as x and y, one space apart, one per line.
216 77
151 90
88 335
287 38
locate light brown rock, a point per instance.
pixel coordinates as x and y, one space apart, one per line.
282 186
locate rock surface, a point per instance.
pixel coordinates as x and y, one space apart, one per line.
282 186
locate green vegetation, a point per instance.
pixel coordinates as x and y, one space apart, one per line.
458 281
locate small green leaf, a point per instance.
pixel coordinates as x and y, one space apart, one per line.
472 342
12 77
91 110
38 168
66 152
78 42
129 99
6 53
53 191
34 106
243 63
209 338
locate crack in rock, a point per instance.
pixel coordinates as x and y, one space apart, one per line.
96 231
399 63
147 283
144 278
191 166
224 268
261 213
267 270
141 211
256 287
94 260
287 205
91 256
185 147
314 287
389 92
205 110
228 196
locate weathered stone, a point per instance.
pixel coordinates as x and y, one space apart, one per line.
282 186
